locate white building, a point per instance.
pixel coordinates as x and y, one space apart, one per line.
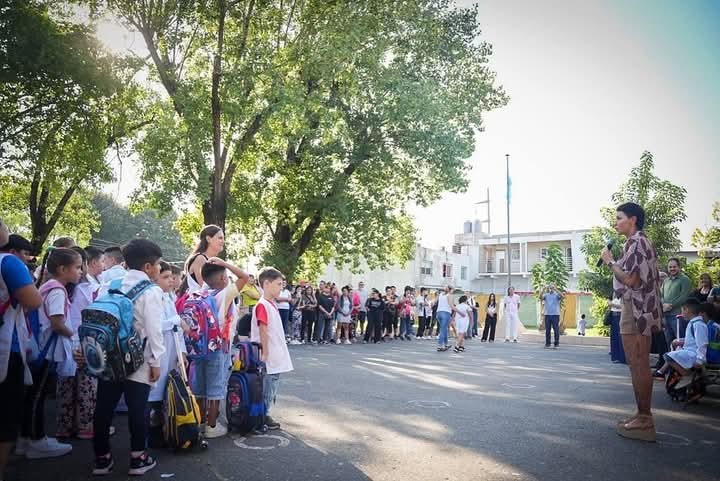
477 262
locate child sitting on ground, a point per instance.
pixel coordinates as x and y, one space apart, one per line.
691 351
582 324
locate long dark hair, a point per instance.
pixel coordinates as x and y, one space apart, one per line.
207 231
70 288
54 258
491 296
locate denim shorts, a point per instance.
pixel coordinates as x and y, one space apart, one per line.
210 376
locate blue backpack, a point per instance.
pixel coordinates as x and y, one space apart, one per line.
112 347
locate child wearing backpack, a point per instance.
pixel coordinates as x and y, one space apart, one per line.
171 328
691 351
142 258
210 345
267 329
63 266
76 390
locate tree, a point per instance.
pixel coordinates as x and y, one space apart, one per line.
320 122
552 270
118 225
664 205
708 245
63 103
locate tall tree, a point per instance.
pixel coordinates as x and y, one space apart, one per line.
664 204
64 102
707 243
320 121
118 225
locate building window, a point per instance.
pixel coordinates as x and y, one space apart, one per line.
543 253
457 249
427 271
516 254
463 273
447 270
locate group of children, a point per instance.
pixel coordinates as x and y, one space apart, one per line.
39 339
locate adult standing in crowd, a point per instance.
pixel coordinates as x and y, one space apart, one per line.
675 291
362 297
551 302
326 313
424 312
445 309
210 244
490 320
705 286
511 309
636 281
309 308
283 305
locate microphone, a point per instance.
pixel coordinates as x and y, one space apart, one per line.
610 245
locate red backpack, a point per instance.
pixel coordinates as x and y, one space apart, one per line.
205 335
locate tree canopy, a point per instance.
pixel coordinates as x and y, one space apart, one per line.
64 101
309 126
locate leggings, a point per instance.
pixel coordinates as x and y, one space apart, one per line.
374 327
33 425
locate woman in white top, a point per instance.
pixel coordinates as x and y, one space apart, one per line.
511 306
211 244
444 312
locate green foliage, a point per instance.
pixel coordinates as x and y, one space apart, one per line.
708 245
326 119
552 270
118 225
63 103
664 205
598 310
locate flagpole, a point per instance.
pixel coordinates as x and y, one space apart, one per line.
509 251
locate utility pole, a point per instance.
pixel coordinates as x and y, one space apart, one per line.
509 251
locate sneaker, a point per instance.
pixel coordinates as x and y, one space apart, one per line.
295 342
364 341
462 348
515 340
215 432
347 342
456 349
556 346
271 423
491 340
47 448
507 340
408 338
337 341
547 346
657 375
141 465
483 340
21 446
86 434
103 465
440 349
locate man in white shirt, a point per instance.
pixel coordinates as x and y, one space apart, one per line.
511 306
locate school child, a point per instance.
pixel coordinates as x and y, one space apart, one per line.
211 372
61 266
582 324
76 391
462 320
172 332
266 328
142 258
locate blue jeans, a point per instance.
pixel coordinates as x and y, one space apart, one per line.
271 383
671 326
406 326
443 320
552 321
285 316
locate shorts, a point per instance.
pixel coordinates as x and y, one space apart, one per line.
361 316
628 325
12 393
461 324
210 376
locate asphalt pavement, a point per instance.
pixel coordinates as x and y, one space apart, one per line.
402 411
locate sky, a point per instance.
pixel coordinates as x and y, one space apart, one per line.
592 84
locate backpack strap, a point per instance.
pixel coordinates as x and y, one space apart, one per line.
136 291
115 286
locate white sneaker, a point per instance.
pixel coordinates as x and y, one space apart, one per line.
47 448
337 341
21 446
294 342
347 342
215 432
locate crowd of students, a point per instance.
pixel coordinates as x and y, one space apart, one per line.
42 311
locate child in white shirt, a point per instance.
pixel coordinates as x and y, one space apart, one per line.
462 321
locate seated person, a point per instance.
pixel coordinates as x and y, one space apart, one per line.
692 350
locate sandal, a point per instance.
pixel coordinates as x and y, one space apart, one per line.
638 432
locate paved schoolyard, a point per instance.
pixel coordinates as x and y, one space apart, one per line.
401 411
